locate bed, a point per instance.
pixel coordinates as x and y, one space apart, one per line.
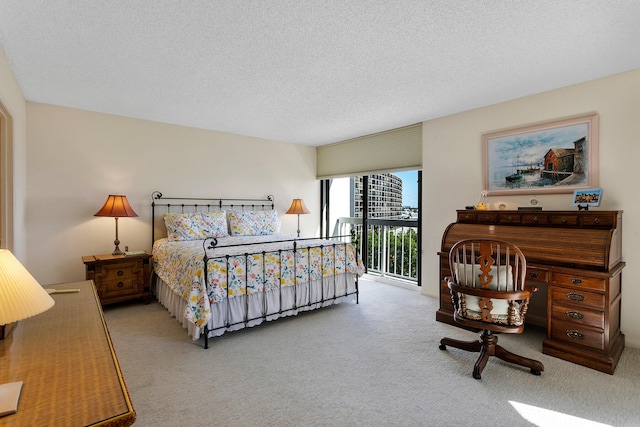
221 265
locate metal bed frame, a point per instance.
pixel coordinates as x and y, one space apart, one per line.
209 244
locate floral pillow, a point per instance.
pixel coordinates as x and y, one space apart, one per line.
195 225
253 223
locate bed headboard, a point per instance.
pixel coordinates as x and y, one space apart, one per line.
161 204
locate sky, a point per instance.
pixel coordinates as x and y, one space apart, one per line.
409 187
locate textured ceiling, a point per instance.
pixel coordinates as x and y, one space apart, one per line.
309 71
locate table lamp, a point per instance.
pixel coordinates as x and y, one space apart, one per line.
116 206
21 296
298 207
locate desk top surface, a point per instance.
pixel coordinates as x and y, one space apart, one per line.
68 365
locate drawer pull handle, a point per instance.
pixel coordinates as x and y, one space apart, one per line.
597 220
120 284
534 275
120 273
510 218
486 218
467 217
576 281
576 315
574 296
536 219
576 335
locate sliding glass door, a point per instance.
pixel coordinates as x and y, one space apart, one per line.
383 210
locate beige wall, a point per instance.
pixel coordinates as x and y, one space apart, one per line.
452 168
76 158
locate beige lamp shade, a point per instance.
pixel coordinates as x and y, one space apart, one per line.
21 295
298 207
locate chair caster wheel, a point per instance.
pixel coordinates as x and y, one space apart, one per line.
535 372
442 347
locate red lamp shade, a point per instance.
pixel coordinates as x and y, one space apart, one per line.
116 206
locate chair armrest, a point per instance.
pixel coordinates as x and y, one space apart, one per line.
486 293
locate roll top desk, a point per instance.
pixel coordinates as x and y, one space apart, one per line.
577 255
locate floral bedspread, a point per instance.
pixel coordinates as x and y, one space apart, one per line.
260 263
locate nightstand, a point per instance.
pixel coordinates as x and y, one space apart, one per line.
118 277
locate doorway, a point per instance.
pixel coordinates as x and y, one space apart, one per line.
6 178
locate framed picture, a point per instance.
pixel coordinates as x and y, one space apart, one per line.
553 157
586 198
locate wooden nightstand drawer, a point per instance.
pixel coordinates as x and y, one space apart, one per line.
119 278
116 272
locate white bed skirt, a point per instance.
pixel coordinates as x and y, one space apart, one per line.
261 306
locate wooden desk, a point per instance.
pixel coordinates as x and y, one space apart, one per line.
68 365
577 256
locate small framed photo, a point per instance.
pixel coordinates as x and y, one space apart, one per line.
586 198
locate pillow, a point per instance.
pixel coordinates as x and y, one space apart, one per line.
502 275
195 225
466 272
253 223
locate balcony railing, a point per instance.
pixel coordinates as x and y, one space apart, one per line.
392 245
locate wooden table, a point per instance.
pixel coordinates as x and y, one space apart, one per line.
68 365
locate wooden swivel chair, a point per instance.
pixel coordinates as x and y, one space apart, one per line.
489 294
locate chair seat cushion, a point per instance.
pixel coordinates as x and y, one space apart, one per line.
470 309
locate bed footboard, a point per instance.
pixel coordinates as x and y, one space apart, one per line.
260 300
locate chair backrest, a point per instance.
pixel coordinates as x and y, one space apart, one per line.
487 282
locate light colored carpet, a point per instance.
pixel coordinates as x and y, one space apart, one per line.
372 364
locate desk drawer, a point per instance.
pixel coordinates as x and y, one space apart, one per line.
467 216
509 218
535 218
579 316
598 220
564 220
570 332
537 275
579 281
577 298
487 217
